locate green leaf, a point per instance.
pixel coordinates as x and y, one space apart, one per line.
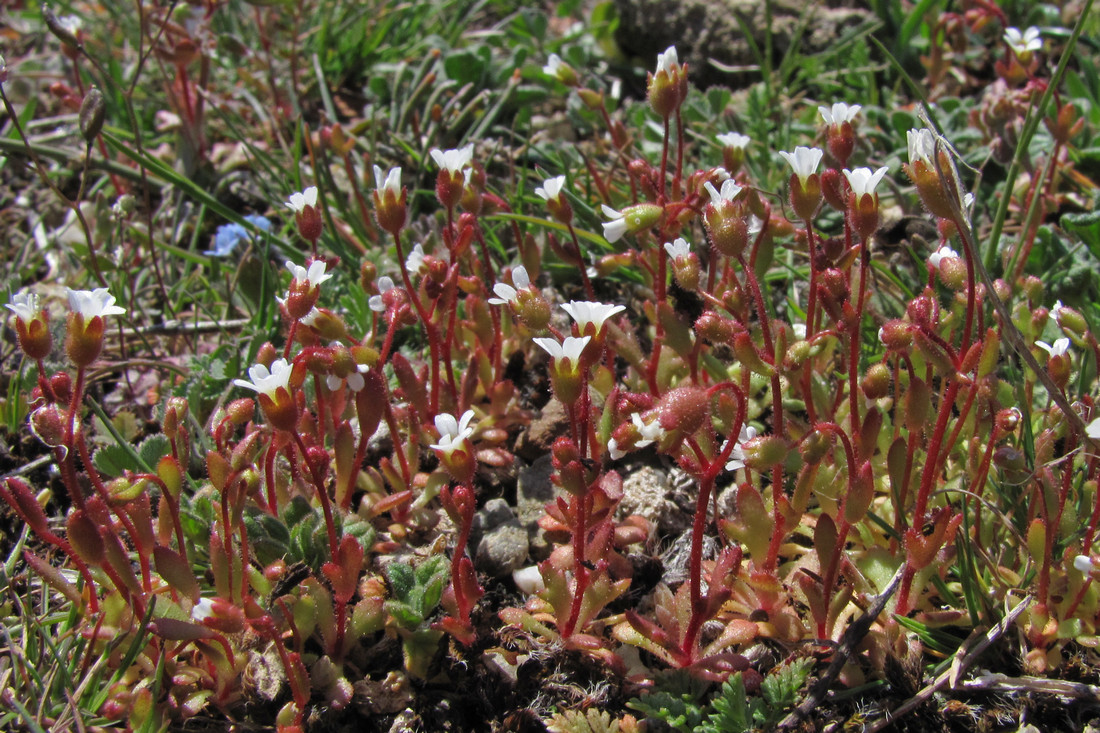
733 711
114 460
152 449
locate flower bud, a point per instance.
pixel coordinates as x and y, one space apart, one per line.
92 112
48 425
876 382
714 328
1008 420
815 445
684 410
532 309
591 98
765 452
1070 320
570 471
953 272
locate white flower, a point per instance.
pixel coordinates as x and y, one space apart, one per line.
839 113
863 181
24 306
71 23
1055 311
729 191
92 303
354 380
679 248
922 146
553 65
569 349
800 331
650 433
376 304
1023 43
299 201
613 230
529 580
614 451
452 433
453 161
1059 347
586 311
310 319
202 610
1093 429
1083 563
737 455
734 140
508 294
551 188
315 274
265 381
941 254
415 260
389 181
668 62
803 160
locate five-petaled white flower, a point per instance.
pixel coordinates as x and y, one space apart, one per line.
863 181
940 255
803 160
508 294
390 181
586 311
1059 347
267 381
668 61
734 140
550 190
315 274
299 201
1084 563
839 113
453 433
1023 43
678 248
453 161
737 455
375 302
729 191
25 306
92 303
613 230
569 349
922 146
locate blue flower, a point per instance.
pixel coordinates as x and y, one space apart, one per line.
230 235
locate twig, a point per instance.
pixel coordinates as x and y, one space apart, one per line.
28 467
1000 683
964 657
